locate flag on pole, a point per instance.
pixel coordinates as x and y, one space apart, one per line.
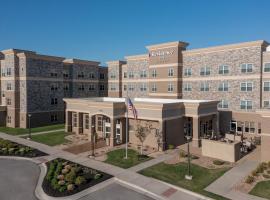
132 108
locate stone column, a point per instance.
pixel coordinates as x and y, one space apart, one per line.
196 141
113 132
68 124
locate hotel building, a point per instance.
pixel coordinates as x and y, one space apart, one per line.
237 76
36 84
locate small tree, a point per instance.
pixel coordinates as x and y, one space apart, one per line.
142 132
159 138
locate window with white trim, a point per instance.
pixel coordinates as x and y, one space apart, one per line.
54 101
170 72
187 87
101 87
266 67
245 104
131 87
131 74
246 67
101 76
223 104
143 87
205 71
143 74
87 121
66 87
204 87
8 101
81 87
154 88
223 87
92 75
187 72
9 86
223 69
246 86
112 75
113 87
170 87
266 86
125 88
54 87
8 71
9 119
266 104
125 74
75 119
92 87
154 73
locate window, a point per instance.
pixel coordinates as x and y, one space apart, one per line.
101 76
65 75
8 71
66 87
204 87
53 118
53 74
223 69
266 104
205 71
125 74
222 87
80 75
246 105
102 87
99 123
3 72
223 104
91 87
188 72
54 101
113 87
170 72
86 124
113 75
143 87
246 68
9 86
170 87
267 67
143 74
9 119
154 88
75 119
187 87
81 87
246 86
131 87
8 101
92 75
266 86
130 74
125 87
154 73
54 87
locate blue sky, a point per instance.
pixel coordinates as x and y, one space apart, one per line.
106 30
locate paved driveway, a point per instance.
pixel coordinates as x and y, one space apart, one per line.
18 179
115 191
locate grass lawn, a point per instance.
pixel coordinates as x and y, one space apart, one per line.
175 174
116 158
51 139
21 131
261 189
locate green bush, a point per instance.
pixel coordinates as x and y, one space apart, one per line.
63 188
80 180
54 184
11 151
218 162
50 173
266 176
71 176
58 169
97 176
250 179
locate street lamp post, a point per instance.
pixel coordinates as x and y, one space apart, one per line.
29 127
93 140
188 176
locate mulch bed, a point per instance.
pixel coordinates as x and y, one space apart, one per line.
46 185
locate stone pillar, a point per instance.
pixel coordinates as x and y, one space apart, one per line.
68 124
113 132
90 128
196 141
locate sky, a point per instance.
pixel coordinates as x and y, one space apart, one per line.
105 30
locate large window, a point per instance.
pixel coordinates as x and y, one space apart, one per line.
75 120
113 87
170 87
131 87
246 86
8 101
9 86
204 87
154 88
101 87
91 87
8 71
223 104
187 87
102 76
205 71
86 124
154 73
246 68
266 103
92 75
131 74
81 87
223 69
188 72
143 87
143 74
170 72
245 104
266 86
222 87
267 67
80 75
54 101
113 75
125 74
99 123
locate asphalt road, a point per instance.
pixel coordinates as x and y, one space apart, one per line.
18 179
115 191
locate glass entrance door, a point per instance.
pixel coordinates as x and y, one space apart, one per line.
118 133
107 130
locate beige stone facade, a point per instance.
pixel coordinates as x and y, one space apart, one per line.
36 84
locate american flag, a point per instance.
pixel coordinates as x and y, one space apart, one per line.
132 108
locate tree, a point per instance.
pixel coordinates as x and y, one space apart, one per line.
142 131
159 138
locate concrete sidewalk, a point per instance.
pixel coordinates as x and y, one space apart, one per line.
153 186
43 132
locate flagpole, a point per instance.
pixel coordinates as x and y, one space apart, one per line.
127 125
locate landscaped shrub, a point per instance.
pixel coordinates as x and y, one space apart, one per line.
50 173
71 176
250 179
218 162
97 176
266 176
80 180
